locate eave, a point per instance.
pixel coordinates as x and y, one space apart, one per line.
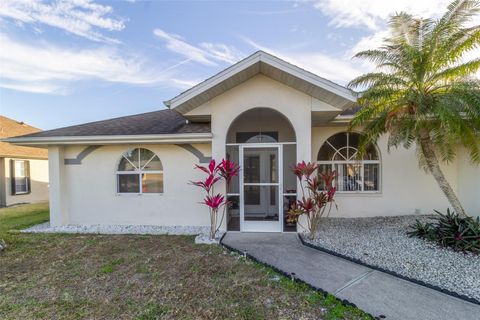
112 139
271 66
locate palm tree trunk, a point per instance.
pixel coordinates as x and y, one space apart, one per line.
434 168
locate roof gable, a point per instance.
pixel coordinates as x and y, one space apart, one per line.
271 66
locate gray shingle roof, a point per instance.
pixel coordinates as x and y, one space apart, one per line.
156 122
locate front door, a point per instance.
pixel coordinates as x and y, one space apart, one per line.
261 189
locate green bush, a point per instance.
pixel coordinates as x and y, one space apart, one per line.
450 230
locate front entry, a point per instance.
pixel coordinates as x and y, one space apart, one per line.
260 187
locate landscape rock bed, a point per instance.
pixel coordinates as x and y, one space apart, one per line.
382 242
118 229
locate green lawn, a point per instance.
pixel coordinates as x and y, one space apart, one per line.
52 276
21 217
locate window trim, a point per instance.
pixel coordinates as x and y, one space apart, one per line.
13 177
362 164
139 172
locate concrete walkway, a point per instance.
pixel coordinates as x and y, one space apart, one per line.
373 291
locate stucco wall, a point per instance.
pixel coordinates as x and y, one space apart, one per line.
405 189
88 191
38 183
264 120
261 91
469 188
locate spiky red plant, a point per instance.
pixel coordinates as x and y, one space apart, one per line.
225 170
315 202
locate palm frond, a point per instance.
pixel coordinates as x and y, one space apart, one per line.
377 79
452 49
458 13
423 85
460 71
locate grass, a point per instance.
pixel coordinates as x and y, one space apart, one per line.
109 266
44 276
20 217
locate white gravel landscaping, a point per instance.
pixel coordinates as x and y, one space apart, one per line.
118 229
382 242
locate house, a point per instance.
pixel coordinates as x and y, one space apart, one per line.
23 170
263 113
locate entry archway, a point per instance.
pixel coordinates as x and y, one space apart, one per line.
263 142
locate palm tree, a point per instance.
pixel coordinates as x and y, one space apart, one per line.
423 92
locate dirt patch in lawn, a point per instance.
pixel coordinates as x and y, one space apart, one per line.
148 277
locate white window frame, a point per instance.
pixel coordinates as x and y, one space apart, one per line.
25 176
362 163
139 172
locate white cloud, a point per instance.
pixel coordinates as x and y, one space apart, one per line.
374 40
222 52
32 87
206 53
185 84
80 17
176 44
44 68
337 69
374 13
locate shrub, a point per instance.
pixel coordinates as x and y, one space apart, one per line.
225 170
450 230
314 202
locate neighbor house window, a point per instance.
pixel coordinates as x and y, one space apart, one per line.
354 174
140 171
20 176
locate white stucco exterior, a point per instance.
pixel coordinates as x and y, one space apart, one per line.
468 183
87 193
404 187
261 92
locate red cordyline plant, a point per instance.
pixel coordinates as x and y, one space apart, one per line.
315 203
216 203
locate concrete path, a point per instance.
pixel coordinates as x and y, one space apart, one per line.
373 291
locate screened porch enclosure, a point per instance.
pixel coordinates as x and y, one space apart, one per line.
262 141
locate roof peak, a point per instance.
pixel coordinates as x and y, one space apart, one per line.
260 62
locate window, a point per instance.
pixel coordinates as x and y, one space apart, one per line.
340 153
20 176
140 171
257 137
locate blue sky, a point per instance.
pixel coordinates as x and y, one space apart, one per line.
70 62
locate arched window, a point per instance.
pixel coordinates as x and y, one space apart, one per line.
261 138
140 171
340 153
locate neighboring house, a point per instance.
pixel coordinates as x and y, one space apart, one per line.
263 113
23 170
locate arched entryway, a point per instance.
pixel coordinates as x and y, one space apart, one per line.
263 142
